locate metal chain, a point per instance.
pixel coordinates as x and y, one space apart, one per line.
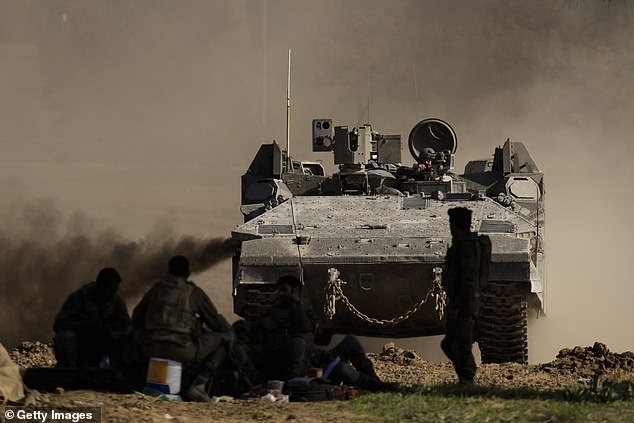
334 292
438 292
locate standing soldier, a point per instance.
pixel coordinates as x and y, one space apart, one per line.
92 321
467 262
177 321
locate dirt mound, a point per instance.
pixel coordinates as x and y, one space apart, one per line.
408 368
33 354
590 361
393 364
397 355
569 368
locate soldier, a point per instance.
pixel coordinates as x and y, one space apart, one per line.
238 372
177 321
347 363
466 264
280 340
91 322
279 344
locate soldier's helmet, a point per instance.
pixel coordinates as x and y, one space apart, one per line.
428 153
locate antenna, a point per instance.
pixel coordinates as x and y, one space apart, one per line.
288 116
265 49
416 90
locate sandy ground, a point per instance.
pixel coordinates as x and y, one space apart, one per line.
571 367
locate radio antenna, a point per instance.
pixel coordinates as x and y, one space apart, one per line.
288 116
265 51
416 90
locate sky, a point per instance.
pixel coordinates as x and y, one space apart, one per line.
130 123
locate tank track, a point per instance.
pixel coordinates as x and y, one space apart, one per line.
503 324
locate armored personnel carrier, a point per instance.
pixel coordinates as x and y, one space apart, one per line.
369 241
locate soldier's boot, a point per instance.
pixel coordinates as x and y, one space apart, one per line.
350 349
373 384
197 391
363 364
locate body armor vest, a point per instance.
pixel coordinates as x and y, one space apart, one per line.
169 316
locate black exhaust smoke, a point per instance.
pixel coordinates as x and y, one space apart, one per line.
43 259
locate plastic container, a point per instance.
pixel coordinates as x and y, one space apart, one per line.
164 375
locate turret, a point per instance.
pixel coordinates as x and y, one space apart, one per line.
356 151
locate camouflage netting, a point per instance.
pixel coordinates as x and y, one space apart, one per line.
33 354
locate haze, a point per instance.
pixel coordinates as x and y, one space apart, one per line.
136 119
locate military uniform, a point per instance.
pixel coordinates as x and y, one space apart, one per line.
177 321
86 330
347 363
463 271
279 352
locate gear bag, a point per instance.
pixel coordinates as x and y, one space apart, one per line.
308 389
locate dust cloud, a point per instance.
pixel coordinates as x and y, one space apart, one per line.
45 257
144 114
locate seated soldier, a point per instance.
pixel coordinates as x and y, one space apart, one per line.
289 328
91 322
242 353
176 320
237 374
347 363
280 339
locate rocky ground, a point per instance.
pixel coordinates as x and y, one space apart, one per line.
572 367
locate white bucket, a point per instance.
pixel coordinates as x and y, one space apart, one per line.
164 375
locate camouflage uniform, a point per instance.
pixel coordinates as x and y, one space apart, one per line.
280 352
462 283
86 330
347 363
178 321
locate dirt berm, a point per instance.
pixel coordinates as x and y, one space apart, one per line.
572 367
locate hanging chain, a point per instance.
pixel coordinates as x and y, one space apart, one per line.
334 292
438 292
